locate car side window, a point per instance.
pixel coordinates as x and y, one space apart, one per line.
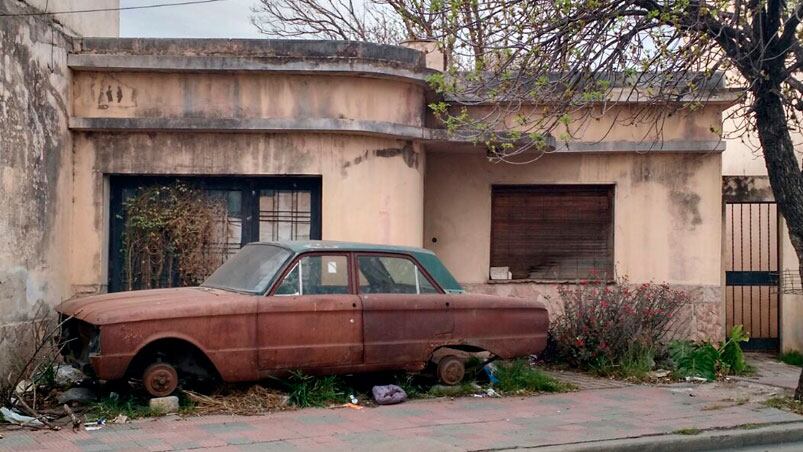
317 275
387 274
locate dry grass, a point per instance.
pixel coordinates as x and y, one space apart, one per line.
253 401
786 404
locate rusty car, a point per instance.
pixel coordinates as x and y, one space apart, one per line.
313 306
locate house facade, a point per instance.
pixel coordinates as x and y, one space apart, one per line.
333 140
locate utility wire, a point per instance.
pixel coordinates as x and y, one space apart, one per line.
124 8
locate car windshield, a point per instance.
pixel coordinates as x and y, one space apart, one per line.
251 270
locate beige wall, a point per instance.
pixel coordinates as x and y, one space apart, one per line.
634 123
98 23
231 95
667 211
372 188
791 303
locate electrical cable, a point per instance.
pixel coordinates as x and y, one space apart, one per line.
124 8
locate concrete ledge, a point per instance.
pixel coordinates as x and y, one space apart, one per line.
729 439
168 63
274 48
251 125
436 140
250 55
704 146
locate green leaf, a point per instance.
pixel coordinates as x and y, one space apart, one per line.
693 360
738 334
730 355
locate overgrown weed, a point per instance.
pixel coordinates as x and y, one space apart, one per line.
518 376
310 391
791 357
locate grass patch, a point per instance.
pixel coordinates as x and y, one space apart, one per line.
637 362
688 431
111 406
749 426
792 357
518 376
132 406
786 404
412 385
461 390
309 391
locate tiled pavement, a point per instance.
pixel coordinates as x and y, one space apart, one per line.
770 371
437 425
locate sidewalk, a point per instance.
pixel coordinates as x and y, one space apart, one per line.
568 419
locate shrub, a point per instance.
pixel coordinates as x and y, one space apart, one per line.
610 327
704 360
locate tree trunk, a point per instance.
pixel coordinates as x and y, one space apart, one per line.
783 169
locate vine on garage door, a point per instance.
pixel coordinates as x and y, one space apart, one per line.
170 236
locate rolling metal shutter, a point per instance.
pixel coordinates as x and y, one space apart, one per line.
554 232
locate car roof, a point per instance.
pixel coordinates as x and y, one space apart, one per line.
299 246
427 258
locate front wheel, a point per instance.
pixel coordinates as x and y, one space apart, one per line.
160 379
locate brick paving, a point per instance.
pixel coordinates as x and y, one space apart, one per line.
436 425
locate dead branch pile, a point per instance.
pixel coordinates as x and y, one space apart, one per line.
172 236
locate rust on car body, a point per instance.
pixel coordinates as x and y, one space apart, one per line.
319 307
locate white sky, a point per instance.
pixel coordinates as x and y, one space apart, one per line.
223 19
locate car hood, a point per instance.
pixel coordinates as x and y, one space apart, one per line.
152 304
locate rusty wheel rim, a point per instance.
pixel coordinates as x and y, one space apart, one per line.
160 379
451 370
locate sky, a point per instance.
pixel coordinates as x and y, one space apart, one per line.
223 19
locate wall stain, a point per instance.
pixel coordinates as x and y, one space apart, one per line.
688 205
114 93
675 177
406 152
746 189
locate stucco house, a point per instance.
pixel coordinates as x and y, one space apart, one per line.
333 140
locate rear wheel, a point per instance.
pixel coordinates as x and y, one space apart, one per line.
451 370
160 379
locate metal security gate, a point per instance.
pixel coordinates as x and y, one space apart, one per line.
751 272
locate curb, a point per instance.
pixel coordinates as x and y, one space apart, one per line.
719 439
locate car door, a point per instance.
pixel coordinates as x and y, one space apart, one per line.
312 318
405 315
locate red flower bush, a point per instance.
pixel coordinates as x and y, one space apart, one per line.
602 324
